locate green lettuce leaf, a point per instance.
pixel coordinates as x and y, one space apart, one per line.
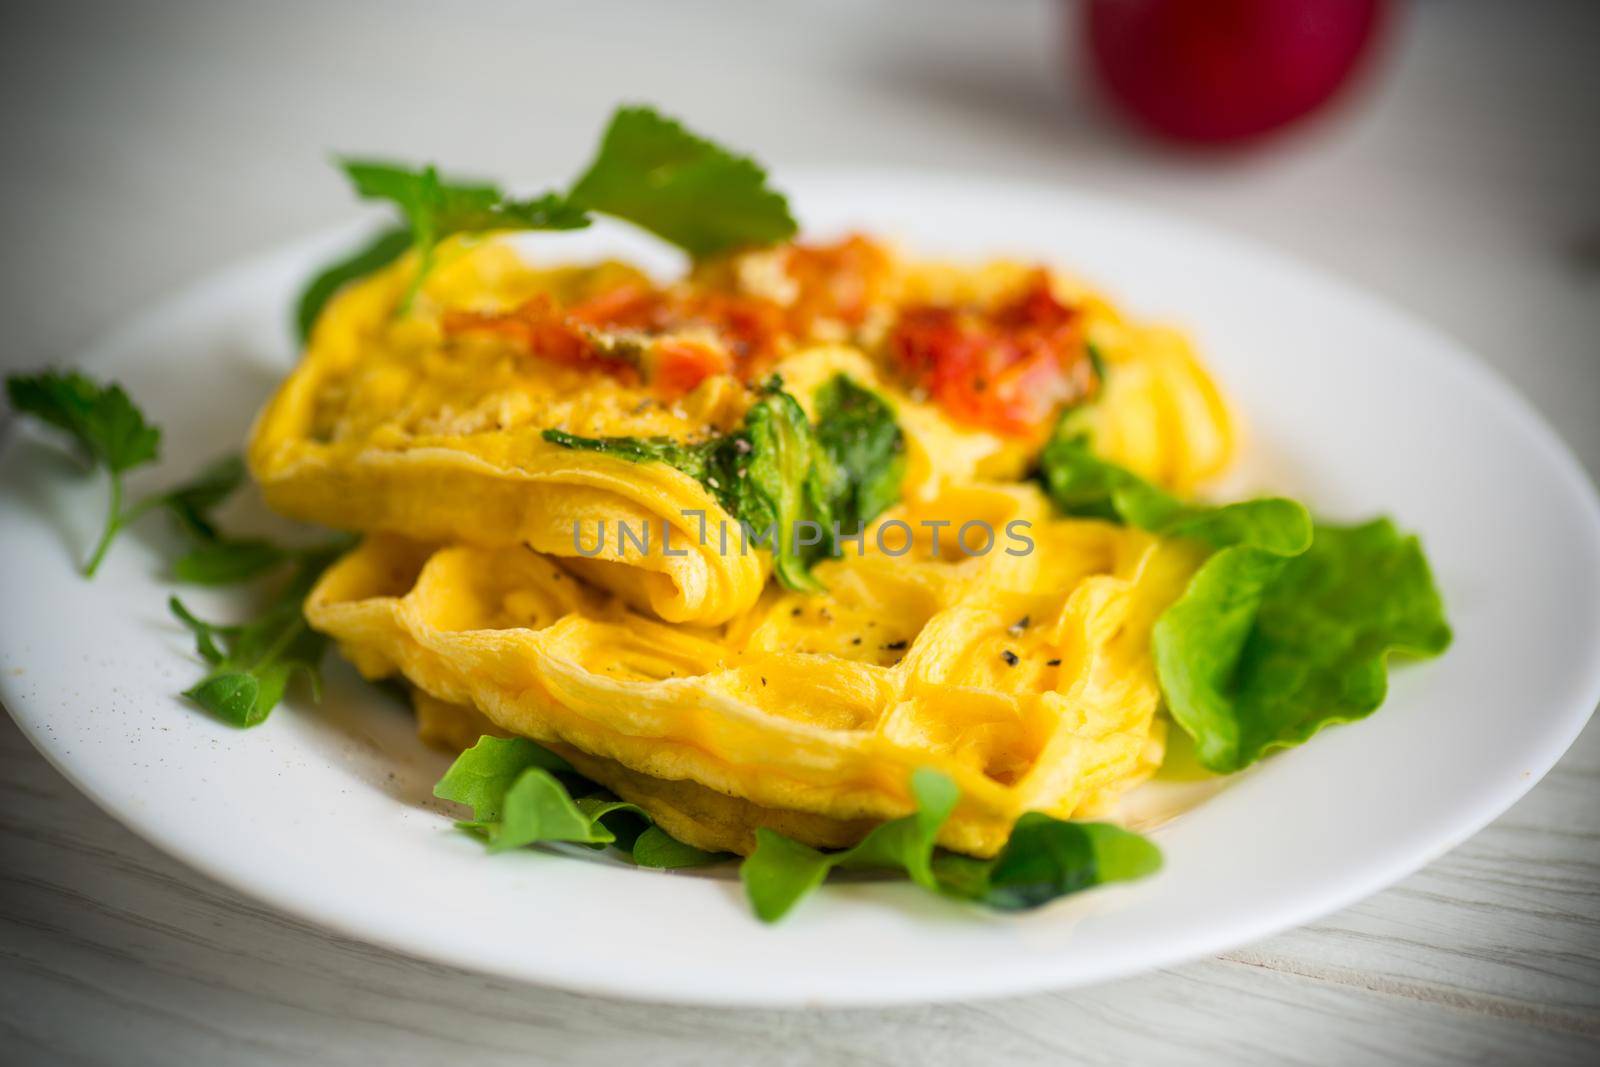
1045 858
1285 628
698 195
1262 651
1081 483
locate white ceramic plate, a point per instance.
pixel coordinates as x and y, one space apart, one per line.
325 811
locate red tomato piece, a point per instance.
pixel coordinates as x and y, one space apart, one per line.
1007 370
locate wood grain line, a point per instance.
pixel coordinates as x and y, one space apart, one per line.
1510 1009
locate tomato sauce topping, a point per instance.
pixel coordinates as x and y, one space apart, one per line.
675 338
636 331
837 282
1008 369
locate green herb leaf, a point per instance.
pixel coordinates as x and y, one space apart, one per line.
866 450
433 208
657 848
538 808
437 208
1262 651
785 481
685 189
618 822
191 503
781 871
103 422
480 776
517 799
1044 858
226 562
100 417
649 171
692 459
113 432
771 477
1097 362
253 662
381 251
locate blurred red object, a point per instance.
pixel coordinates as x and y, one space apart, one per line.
1226 71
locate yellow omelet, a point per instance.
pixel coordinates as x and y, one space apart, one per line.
682 675
1027 678
394 425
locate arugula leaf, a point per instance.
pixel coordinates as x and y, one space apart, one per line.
514 789
1284 629
252 662
381 251
537 808
657 848
1044 858
781 871
1263 651
617 822
480 776
781 477
654 173
103 422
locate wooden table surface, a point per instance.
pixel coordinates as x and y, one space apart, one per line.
148 145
